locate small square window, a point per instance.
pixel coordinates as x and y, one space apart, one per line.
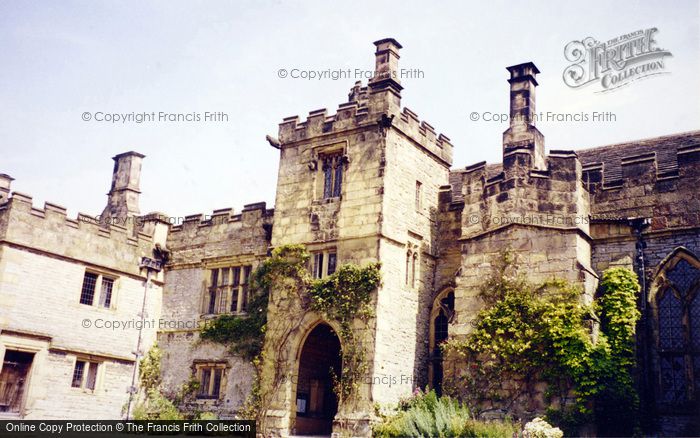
211 377
89 290
85 374
323 263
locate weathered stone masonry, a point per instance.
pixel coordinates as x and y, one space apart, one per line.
198 246
369 183
43 258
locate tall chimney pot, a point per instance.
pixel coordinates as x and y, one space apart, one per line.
123 196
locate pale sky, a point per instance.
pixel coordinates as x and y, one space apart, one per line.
61 59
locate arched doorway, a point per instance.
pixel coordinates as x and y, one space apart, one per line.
440 318
319 362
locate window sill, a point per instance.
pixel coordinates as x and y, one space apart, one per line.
84 391
208 316
96 307
323 201
208 400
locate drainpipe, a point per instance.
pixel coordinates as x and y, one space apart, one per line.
638 226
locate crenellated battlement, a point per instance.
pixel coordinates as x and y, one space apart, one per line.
424 134
486 179
357 114
221 234
224 216
374 106
494 196
574 184
656 179
115 244
350 115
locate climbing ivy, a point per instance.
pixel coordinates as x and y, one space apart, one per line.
149 369
346 294
154 403
544 333
244 334
617 403
343 298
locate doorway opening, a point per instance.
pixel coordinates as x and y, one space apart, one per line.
440 318
13 380
320 362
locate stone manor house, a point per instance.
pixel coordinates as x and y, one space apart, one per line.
371 182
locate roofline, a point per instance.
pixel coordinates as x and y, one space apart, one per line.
661 137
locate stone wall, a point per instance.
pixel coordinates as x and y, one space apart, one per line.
645 206
182 349
202 243
584 213
43 258
540 215
52 397
375 218
408 229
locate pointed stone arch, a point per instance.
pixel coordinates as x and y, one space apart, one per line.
315 405
674 302
441 315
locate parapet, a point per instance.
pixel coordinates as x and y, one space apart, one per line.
424 134
223 216
494 196
112 244
221 234
349 115
355 114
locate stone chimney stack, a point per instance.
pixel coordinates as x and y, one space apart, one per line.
386 71
123 196
522 136
5 183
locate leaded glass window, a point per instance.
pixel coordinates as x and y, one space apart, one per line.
679 334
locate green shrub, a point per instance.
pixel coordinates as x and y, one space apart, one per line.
156 407
427 415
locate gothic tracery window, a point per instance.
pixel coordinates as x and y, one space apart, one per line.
332 175
679 334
